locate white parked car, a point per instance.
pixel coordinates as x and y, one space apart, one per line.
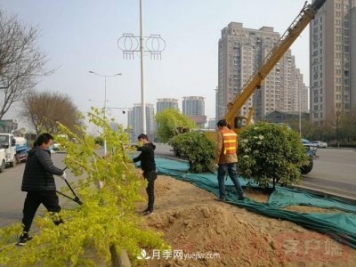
320 144
56 146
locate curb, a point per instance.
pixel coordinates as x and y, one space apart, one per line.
121 260
124 260
326 194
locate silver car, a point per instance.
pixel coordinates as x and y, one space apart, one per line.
320 144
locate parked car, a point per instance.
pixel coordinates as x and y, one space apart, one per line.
320 144
56 146
305 141
310 149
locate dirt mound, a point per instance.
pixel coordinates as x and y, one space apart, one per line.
211 229
204 232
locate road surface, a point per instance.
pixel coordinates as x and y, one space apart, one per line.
11 197
334 172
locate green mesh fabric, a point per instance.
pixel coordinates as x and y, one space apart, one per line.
340 226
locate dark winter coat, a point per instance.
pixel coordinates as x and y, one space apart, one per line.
39 171
147 157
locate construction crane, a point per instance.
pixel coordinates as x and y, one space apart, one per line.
284 43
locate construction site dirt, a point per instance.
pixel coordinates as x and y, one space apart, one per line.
204 232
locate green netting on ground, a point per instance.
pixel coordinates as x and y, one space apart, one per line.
340 226
284 197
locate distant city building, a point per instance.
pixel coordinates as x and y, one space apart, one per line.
163 103
212 123
241 51
286 117
134 117
194 108
333 61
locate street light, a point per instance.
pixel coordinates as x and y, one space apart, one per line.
105 76
300 111
124 110
338 113
130 44
143 104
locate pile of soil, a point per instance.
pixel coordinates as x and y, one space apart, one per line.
204 232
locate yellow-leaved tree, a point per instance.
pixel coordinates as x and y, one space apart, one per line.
171 122
106 222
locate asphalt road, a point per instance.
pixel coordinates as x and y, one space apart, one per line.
334 172
11 197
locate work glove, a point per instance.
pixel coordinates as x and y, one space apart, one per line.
63 176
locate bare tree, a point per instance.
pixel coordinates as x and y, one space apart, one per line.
44 109
20 60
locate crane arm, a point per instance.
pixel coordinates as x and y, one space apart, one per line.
294 30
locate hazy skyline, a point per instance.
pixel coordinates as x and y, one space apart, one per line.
81 36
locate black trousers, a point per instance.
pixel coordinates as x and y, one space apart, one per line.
150 189
33 200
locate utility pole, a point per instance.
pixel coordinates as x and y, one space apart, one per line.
105 99
131 44
300 111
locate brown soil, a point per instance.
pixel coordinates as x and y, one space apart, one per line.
195 224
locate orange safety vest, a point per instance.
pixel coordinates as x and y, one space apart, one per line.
230 141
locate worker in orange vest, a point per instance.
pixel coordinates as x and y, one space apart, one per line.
226 159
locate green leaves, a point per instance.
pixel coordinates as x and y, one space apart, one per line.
269 152
168 120
197 149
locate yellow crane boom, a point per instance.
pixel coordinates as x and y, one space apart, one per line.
291 34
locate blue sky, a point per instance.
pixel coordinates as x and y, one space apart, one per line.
79 36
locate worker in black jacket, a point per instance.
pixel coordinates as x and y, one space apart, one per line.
38 182
148 165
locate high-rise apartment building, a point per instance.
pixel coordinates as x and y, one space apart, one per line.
333 61
241 52
134 118
194 108
212 123
163 103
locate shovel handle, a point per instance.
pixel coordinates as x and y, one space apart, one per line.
71 189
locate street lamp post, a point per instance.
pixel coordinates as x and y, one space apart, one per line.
130 44
143 104
338 113
105 107
300 111
124 110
